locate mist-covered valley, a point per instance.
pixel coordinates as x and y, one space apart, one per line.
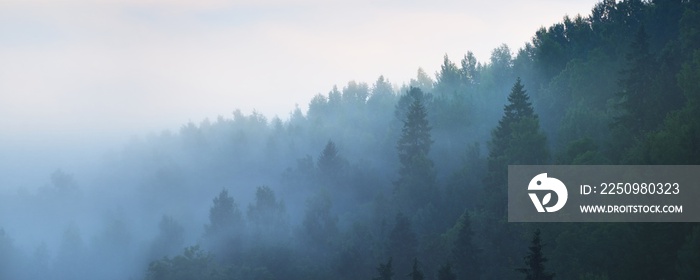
384 179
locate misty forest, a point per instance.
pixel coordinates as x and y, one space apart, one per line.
378 180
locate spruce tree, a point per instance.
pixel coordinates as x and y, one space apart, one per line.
638 104
415 187
688 263
464 253
330 164
517 109
445 272
516 140
402 243
534 261
385 271
224 215
416 273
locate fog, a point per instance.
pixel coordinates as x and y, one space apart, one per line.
149 152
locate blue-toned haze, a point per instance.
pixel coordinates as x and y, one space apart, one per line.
91 74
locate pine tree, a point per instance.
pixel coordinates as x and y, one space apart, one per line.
464 253
415 187
416 273
385 271
534 261
445 272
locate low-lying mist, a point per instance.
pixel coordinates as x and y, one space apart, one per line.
376 178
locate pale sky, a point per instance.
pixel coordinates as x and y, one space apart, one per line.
107 67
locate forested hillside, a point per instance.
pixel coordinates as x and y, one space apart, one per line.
376 181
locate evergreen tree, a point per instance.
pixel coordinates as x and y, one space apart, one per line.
330 163
469 73
464 253
534 261
402 243
319 224
224 215
170 238
449 78
640 102
422 81
267 214
638 95
516 140
416 185
385 271
416 273
445 272
688 266
517 109
381 97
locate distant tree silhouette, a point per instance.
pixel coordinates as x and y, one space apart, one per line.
534 261
319 224
402 243
170 237
516 140
416 273
416 184
465 255
385 271
445 272
224 215
330 164
267 215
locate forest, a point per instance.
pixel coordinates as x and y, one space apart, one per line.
378 181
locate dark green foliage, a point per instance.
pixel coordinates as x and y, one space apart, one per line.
534 261
445 272
330 164
224 215
638 99
319 224
415 187
465 255
516 140
416 273
192 264
402 243
197 264
267 215
620 85
170 238
688 266
385 271
582 152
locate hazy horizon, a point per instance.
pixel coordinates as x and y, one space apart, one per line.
155 65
